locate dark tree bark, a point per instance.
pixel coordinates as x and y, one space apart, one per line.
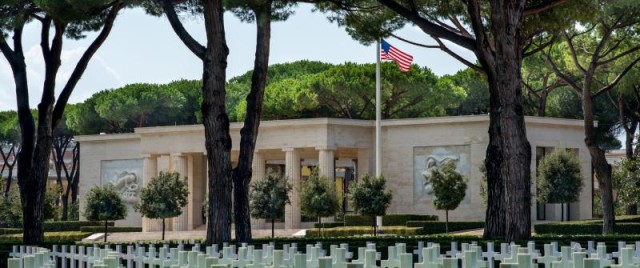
61 146
216 125
509 153
542 93
599 162
33 160
215 119
249 133
9 160
105 231
499 49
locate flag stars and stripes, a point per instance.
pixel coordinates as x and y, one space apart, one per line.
389 52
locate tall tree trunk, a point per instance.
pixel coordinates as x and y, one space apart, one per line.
249 133
33 161
598 159
542 106
105 231
375 225
216 125
163 228
446 221
630 134
32 189
508 157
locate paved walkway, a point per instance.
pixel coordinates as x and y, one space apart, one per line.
187 235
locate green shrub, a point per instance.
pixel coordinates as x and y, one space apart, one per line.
402 219
362 230
49 237
357 220
66 226
328 224
584 228
437 227
117 229
629 218
4 231
387 220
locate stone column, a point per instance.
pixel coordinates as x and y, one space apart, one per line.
258 172
150 170
292 170
326 166
179 164
326 162
197 189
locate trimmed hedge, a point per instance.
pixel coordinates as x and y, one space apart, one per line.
110 229
63 226
68 226
582 228
387 220
328 224
359 230
4 231
49 238
438 227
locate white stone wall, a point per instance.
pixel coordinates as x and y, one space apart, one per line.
111 147
320 140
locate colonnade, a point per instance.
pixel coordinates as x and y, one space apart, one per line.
193 167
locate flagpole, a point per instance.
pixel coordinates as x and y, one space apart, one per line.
378 113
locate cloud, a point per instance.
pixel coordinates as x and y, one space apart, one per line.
99 72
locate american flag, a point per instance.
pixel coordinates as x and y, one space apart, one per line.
389 52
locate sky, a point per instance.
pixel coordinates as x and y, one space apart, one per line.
144 49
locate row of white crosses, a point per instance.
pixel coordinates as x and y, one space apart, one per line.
469 255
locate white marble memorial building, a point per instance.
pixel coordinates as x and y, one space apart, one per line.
343 150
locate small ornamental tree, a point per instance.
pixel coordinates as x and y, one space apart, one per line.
164 197
626 179
318 198
559 178
449 188
269 197
370 198
104 204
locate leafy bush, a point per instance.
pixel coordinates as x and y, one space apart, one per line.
625 181
116 229
437 227
584 228
68 238
387 220
4 231
328 224
11 208
361 230
629 218
559 178
370 198
67 226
